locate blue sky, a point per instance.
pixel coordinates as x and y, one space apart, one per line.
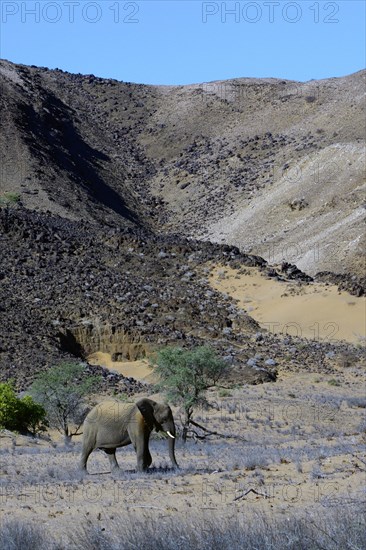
181 42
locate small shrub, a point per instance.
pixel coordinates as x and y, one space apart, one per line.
298 204
9 198
20 415
8 406
347 359
359 402
224 393
32 415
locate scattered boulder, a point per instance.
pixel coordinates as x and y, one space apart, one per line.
345 281
298 204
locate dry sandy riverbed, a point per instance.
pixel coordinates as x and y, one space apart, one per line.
140 370
315 311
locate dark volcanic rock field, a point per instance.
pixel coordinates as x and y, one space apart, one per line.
68 289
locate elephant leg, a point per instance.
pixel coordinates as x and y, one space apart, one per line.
84 457
143 454
112 458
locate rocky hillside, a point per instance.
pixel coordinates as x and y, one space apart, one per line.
111 192
69 289
272 166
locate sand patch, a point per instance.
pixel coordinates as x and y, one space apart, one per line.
140 370
315 311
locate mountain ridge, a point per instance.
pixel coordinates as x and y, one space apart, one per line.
262 164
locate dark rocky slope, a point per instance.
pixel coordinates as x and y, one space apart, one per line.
71 288
68 289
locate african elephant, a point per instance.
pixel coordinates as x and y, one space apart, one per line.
113 424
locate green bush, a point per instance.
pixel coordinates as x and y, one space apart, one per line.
8 406
225 393
184 375
20 415
9 198
32 414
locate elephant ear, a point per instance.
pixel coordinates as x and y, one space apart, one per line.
146 409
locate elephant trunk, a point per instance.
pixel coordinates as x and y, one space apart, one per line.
171 443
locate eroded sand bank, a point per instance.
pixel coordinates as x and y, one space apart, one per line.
315 311
140 370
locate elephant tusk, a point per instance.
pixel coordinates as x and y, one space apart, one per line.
170 435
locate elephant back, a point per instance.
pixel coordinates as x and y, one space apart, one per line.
110 412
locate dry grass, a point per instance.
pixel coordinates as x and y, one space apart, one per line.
332 529
295 455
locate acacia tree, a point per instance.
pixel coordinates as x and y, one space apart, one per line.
61 390
185 374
